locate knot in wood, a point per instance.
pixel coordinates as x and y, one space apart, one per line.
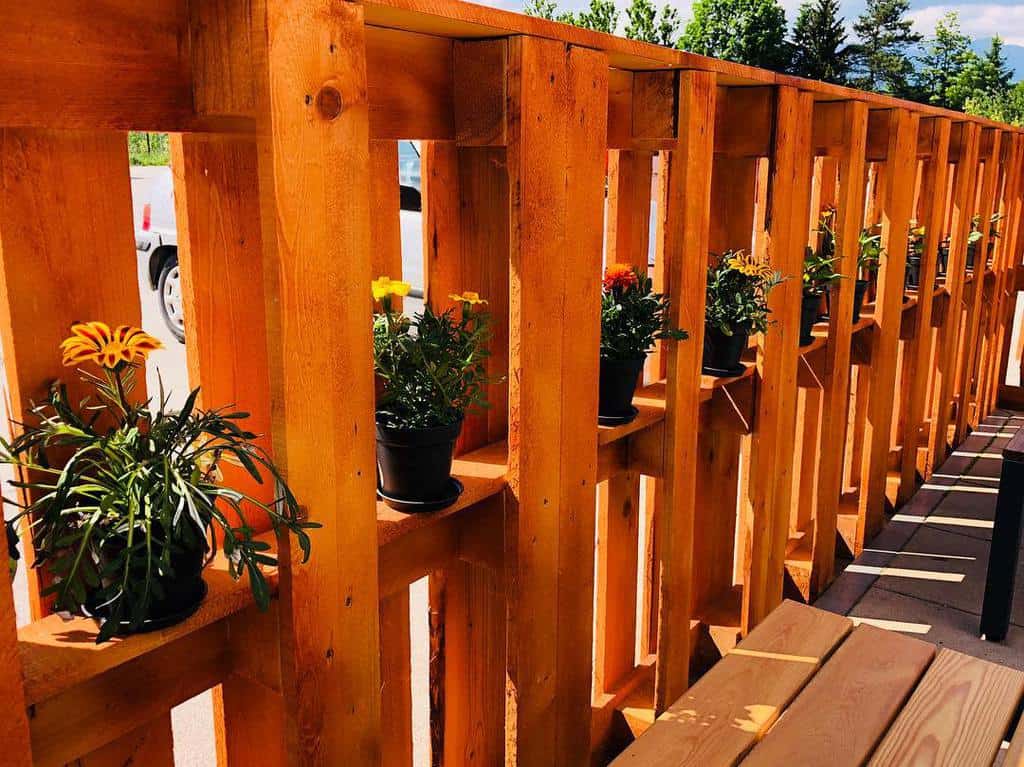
329 103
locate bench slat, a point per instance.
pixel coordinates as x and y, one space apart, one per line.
844 711
1015 756
718 720
957 716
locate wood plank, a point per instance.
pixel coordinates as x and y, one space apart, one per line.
770 484
103 709
682 247
1014 204
151 744
627 238
843 712
958 714
14 731
895 212
396 681
1015 755
947 339
919 359
317 267
836 375
975 300
557 128
385 224
732 706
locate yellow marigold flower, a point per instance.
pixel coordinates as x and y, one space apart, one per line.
917 231
621 276
467 297
96 342
748 265
385 286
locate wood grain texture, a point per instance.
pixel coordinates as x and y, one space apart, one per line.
843 712
895 212
958 715
771 475
14 732
836 376
396 681
682 247
557 128
723 715
919 357
975 300
317 271
947 339
150 744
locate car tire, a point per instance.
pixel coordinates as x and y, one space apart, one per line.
168 291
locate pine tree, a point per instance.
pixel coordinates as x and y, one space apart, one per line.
819 43
946 56
886 37
646 24
745 31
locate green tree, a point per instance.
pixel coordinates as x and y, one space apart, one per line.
886 37
941 77
601 16
1007 107
745 31
819 44
647 24
544 9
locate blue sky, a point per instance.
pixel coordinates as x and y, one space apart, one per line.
980 20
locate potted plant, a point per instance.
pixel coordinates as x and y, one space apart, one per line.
633 317
915 252
124 500
736 305
869 258
943 256
819 276
432 369
975 235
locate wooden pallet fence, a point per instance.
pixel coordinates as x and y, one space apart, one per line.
547 151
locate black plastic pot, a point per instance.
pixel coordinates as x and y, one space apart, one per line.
913 272
810 310
943 258
616 384
414 466
972 248
181 592
860 288
722 353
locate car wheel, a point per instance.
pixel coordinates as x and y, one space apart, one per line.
169 291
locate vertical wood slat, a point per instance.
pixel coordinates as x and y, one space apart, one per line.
975 303
684 244
314 121
51 276
396 681
557 96
836 381
918 362
948 335
770 485
895 211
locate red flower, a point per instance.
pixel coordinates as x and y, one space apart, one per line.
620 277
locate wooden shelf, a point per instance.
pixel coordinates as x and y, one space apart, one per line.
482 474
57 653
708 384
650 402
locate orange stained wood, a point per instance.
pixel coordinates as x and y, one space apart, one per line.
724 714
920 354
769 489
847 707
852 119
958 714
557 124
975 300
684 242
318 254
895 212
949 333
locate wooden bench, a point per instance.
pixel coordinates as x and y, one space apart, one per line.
806 687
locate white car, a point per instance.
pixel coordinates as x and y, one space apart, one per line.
156 233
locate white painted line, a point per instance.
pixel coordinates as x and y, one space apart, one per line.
962 489
1000 434
964 454
921 554
936 520
903 572
965 476
904 626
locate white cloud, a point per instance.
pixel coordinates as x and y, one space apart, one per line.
976 20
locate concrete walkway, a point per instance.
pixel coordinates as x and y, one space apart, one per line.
924 574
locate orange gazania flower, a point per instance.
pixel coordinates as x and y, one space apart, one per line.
96 342
467 297
620 276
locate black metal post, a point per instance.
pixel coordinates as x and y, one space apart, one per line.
1006 541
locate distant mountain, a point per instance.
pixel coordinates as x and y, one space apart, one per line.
1014 55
